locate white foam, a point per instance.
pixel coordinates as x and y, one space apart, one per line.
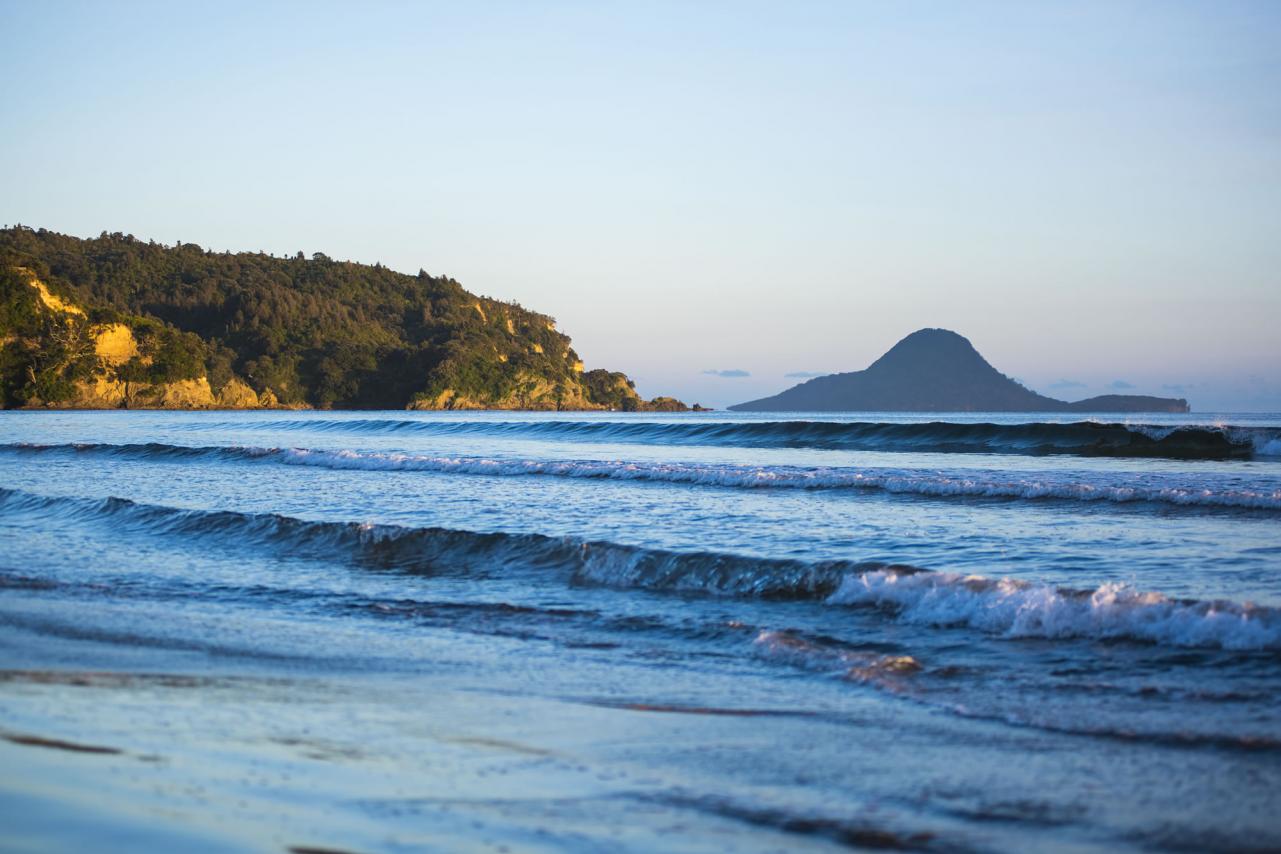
1156 432
971 484
855 665
1266 446
1015 609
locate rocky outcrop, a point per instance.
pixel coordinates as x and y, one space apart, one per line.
238 395
98 393
114 343
669 404
106 392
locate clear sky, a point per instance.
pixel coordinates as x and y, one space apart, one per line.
1091 192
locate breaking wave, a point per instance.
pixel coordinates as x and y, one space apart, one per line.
1020 609
1084 438
1002 606
1163 489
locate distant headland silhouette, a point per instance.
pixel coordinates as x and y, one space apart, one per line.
937 370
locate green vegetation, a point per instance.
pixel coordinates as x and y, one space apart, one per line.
311 331
44 352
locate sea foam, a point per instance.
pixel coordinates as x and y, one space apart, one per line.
1020 609
1122 487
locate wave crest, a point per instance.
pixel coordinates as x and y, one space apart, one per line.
1020 609
934 484
1003 606
1084 438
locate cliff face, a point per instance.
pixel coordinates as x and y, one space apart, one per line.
106 392
79 364
295 331
935 370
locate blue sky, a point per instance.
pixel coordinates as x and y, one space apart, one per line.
709 196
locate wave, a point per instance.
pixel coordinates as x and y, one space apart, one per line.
1014 608
1006 607
882 670
424 550
1081 438
971 484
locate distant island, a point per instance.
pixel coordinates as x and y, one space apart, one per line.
119 322
936 370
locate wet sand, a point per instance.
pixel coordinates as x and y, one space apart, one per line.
119 761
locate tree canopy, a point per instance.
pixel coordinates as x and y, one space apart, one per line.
313 330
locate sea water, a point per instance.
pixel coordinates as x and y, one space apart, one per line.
384 631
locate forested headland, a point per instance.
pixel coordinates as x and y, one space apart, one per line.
118 321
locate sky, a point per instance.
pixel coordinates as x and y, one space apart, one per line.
717 198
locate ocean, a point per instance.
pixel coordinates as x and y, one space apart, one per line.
391 631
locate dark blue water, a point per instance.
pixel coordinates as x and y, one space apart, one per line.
381 631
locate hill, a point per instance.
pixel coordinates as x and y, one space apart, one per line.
935 370
116 321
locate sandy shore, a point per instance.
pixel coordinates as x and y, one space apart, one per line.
112 760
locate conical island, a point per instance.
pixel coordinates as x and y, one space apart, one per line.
937 370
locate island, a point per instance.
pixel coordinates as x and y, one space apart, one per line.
937 370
